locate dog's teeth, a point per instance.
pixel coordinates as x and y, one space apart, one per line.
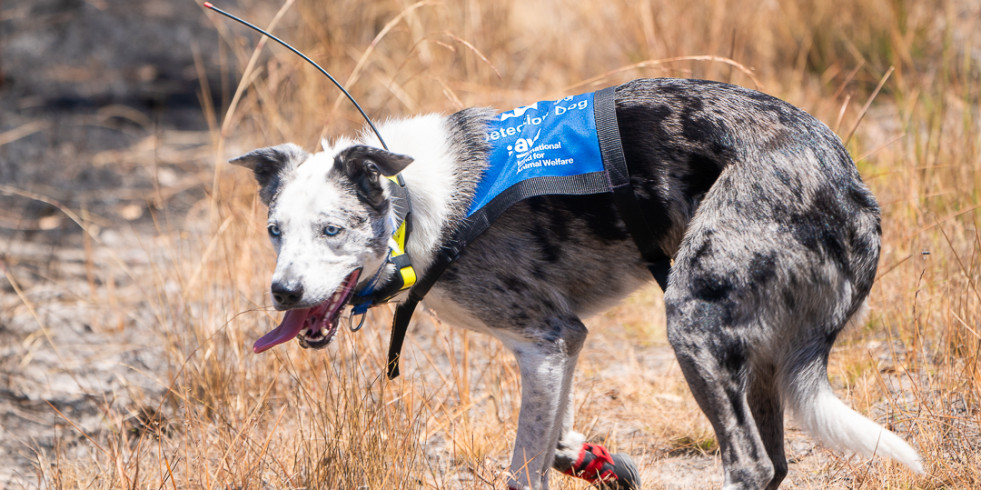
311 335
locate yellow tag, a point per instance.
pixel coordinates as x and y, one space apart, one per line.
408 277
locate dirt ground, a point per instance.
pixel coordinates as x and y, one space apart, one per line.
101 125
102 141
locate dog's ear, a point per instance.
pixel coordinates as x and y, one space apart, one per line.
270 165
366 166
384 161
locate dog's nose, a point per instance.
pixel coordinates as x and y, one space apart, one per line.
286 295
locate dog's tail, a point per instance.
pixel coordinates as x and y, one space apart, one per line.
819 412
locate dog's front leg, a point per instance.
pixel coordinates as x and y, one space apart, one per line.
541 390
546 364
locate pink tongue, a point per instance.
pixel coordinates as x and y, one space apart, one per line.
292 324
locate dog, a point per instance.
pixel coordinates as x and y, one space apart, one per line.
773 238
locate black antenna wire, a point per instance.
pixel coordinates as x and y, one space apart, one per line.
208 5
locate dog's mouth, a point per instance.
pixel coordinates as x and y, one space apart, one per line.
315 326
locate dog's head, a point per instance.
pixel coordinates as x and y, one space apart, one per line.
329 223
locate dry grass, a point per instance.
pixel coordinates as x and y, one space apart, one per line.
327 419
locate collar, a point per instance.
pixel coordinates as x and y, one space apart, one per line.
381 289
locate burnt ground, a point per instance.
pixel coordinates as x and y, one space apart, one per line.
100 114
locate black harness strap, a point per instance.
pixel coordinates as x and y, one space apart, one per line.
614 178
403 312
615 165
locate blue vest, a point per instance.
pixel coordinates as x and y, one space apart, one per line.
540 141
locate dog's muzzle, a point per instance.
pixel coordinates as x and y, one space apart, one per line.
314 326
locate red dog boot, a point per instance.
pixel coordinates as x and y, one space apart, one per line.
609 472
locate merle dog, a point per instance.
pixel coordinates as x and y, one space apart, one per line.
774 241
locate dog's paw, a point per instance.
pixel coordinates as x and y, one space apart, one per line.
604 470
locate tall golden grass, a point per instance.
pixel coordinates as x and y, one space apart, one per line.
897 79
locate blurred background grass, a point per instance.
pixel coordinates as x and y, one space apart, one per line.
185 277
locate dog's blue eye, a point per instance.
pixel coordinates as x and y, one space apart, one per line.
331 230
274 230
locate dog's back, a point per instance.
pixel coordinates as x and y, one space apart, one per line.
705 159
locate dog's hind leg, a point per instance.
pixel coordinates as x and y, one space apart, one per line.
767 409
714 356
